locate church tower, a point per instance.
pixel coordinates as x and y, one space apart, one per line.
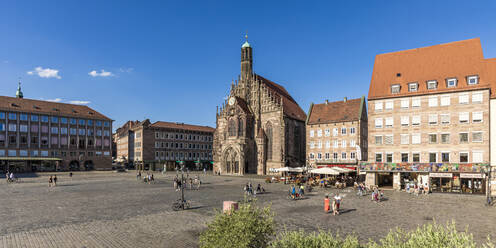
246 60
19 92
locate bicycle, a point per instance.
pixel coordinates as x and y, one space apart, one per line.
180 205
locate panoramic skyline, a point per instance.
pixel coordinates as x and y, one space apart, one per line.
175 61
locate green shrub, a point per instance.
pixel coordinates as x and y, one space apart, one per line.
300 239
247 227
427 236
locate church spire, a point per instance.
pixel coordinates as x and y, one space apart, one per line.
246 59
19 92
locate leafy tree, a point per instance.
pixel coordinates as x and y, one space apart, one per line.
300 239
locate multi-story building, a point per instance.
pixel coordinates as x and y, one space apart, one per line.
429 119
124 140
337 133
160 144
47 136
491 74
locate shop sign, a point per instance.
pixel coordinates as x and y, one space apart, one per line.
471 175
448 175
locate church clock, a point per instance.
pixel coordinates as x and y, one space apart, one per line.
231 100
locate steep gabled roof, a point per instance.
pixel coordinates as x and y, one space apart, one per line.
49 108
173 125
332 112
440 62
291 107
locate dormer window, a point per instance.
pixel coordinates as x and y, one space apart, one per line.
432 85
395 88
451 82
471 80
413 87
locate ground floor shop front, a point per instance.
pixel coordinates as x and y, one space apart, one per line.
37 164
171 165
442 182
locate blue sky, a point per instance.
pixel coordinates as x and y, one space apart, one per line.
174 60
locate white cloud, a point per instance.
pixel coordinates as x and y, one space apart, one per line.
80 102
102 73
128 70
45 73
55 100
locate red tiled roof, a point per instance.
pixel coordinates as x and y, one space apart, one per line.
451 60
333 112
49 108
173 125
291 108
491 75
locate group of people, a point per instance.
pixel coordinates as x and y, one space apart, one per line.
336 204
299 194
249 189
187 182
377 194
52 181
148 178
9 176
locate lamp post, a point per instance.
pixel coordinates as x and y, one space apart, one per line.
181 163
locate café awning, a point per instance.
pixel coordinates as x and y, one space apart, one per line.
325 171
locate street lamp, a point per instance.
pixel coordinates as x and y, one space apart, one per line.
181 163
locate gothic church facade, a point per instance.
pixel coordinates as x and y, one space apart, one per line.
259 127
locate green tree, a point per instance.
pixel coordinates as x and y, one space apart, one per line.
300 239
248 227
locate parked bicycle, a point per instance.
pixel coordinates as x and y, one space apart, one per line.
180 205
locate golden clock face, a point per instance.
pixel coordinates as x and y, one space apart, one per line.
231 100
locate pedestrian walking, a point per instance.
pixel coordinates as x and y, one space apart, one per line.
50 181
205 171
54 180
70 175
337 203
302 190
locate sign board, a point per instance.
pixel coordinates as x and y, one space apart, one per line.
471 175
447 175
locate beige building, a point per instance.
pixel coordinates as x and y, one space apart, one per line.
429 119
337 133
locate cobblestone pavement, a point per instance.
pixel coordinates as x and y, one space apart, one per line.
107 209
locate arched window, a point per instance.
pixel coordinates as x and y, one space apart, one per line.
231 128
240 127
268 133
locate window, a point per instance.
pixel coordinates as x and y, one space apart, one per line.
389 105
395 88
432 85
312 133
343 131
12 153
412 87
34 153
471 80
44 140
463 157
334 132
378 157
320 144
63 130
352 155
389 122
81 122
2 127
477 157
335 155
327 132
445 157
433 101
405 121
415 102
12 127
23 117
44 153
54 130
328 144
463 98
389 157
477 97
319 133
55 119
463 137
23 128
416 157
73 131
445 118
343 143
388 139
34 118
378 106
2 116
157 135
432 157
336 144
106 124
352 130
432 138
327 156
476 136
415 120
477 117
82 131
98 123
378 123
319 156
463 117
405 139
445 100
433 119
44 118
378 140
55 140
405 103
343 155
451 82
12 116
445 138
352 143
90 122
63 120
404 157
312 156
416 138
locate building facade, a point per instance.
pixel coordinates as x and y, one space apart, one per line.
124 140
151 146
260 127
429 119
337 133
48 136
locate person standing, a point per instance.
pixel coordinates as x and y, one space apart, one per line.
50 181
54 180
205 171
337 199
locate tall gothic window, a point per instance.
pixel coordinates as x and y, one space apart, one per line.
297 141
231 128
268 133
240 127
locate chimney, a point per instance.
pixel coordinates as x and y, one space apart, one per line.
326 102
345 99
